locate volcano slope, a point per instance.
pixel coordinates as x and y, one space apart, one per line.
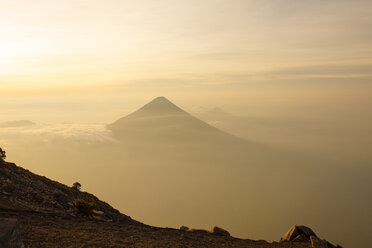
46 219
161 120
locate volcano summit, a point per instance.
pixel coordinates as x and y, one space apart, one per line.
161 119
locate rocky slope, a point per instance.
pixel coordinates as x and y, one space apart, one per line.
22 189
46 218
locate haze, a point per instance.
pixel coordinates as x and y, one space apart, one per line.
291 80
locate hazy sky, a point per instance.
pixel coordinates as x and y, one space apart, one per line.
287 72
95 61
65 46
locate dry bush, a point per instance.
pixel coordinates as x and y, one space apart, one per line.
84 206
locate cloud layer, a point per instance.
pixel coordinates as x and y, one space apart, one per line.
51 131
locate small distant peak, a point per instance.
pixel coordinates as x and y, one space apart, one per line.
160 105
160 99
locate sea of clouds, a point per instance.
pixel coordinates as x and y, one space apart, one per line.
89 132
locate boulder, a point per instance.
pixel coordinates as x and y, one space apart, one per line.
330 245
303 231
219 231
184 228
300 238
197 230
96 212
318 243
10 236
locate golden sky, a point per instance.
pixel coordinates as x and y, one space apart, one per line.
52 45
292 73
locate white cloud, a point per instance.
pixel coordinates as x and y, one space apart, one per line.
49 131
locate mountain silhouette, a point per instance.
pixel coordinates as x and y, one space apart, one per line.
162 120
159 106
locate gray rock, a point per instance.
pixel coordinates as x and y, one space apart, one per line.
300 238
10 236
96 212
219 231
197 230
317 242
304 231
330 245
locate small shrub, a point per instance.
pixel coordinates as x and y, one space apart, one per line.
2 155
76 186
84 206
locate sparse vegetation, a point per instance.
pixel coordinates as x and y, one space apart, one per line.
84 206
76 186
2 155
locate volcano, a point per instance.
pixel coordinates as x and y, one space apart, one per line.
162 120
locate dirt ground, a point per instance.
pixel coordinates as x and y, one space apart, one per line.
42 230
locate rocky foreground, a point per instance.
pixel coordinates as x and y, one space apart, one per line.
36 212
